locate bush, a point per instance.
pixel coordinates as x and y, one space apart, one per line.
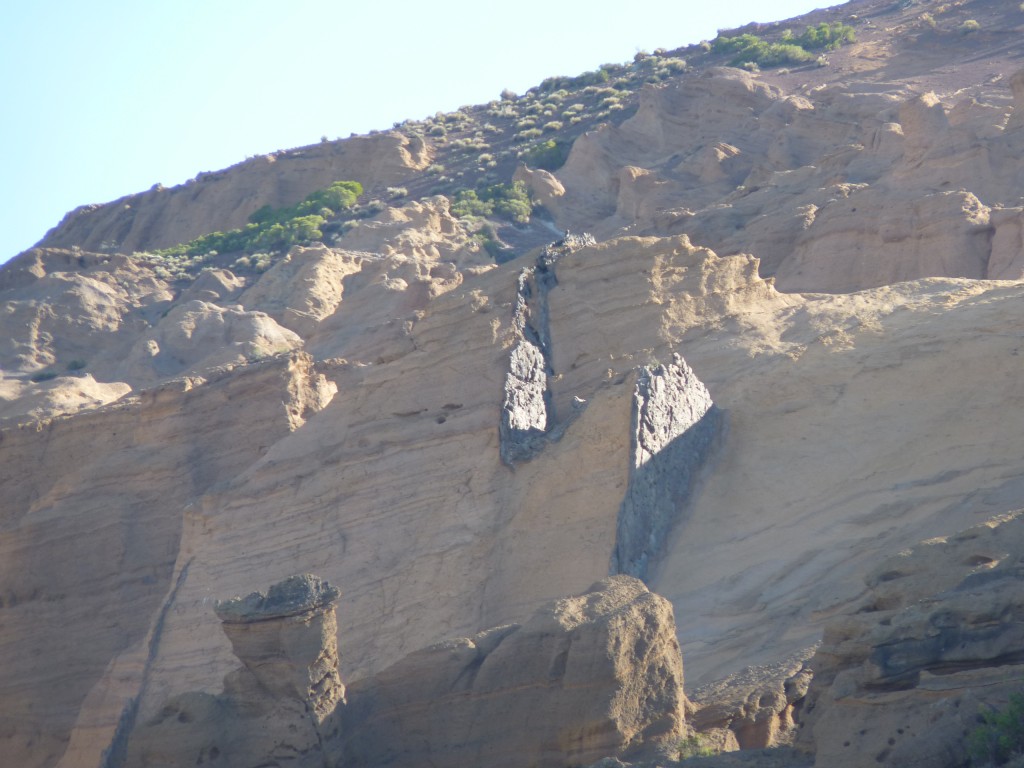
549 155
969 26
1000 737
276 228
827 36
751 48
506 201
693 746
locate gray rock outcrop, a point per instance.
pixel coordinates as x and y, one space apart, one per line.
527 418
674 427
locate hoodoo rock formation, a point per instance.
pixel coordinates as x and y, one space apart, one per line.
585 677
272 709
777 381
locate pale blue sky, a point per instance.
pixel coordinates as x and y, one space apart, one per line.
108 97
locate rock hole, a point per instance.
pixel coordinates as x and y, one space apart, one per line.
558 664
976 560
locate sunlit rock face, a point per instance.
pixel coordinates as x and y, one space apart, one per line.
457 430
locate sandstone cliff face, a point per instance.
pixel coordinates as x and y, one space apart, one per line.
399 491
93 515
586 676
841 187
350 411
935 639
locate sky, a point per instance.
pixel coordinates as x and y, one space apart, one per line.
105 98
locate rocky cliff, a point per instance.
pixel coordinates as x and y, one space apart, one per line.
777 348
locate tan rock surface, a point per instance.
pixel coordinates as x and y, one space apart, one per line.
91 524
587 676
272 708
756 706
396 489
855 424
937 637
836 188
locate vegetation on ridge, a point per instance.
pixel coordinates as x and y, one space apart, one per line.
506 201
751 49
271 229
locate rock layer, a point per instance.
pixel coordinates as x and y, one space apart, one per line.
938 637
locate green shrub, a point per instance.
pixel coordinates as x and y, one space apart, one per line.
751 48
276 228
827 36
1000 737
549 155
969 26
693 746
505 201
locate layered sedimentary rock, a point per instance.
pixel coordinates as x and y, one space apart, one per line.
841 187
273 708
585 677
937 638
168 442
93 514
399 493
755 708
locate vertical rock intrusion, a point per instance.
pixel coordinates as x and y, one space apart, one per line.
674 426
527 419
